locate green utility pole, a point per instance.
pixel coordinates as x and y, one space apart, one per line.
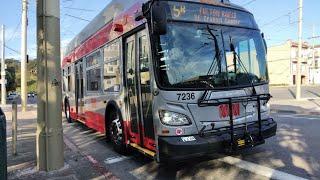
49 122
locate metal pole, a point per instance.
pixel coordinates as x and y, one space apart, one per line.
3 146
49 121
24 25
3 69
313 66
14 127
298 76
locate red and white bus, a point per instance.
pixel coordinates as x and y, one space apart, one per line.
172 79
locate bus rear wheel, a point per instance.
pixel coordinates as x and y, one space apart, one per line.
116 133
67 112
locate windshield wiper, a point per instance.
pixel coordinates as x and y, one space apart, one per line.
217 55
237 57
216 62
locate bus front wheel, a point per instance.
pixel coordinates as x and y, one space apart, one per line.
116 133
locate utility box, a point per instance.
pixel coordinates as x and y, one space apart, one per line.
3 146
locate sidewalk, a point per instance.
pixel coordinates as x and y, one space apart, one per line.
23 166
284 101
305 106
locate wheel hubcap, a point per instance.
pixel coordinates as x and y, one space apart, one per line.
116 131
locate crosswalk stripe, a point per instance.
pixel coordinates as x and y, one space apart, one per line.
116 159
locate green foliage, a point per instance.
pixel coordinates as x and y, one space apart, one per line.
13 75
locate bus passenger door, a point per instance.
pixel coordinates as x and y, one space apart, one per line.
79 88
132 98
138 84
144 88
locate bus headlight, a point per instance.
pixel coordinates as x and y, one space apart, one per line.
173 119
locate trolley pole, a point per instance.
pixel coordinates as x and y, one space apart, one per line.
24 97
49 121
3 69
298 75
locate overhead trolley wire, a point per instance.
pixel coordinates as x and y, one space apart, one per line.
250 2
80 9
284 15
16 51
77 17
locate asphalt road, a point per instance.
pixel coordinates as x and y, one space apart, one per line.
293 153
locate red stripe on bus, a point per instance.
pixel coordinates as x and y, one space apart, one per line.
105 35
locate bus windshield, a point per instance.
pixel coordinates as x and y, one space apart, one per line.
199 56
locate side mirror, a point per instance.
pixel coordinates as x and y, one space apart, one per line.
264 42
159 19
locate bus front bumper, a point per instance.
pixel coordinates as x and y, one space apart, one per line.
176 149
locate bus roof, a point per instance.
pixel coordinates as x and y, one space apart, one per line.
115 8
111 11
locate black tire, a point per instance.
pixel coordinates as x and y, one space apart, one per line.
67 111
116 134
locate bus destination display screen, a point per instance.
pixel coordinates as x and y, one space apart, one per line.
209 14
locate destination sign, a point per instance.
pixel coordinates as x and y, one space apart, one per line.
210 14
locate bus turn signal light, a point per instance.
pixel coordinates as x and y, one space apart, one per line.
165 131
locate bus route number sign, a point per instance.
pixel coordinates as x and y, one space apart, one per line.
210 14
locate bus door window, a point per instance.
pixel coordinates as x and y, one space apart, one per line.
81 81
145 86
64 80
79 87
69 85
131 87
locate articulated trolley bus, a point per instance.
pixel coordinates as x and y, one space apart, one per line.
172 79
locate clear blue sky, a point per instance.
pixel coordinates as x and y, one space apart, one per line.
265 11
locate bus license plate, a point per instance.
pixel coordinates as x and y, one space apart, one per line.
241 142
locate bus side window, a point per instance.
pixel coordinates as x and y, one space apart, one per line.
111 75
93 72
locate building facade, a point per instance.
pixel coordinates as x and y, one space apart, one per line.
282 64
315 66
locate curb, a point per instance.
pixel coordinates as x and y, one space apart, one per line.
295 112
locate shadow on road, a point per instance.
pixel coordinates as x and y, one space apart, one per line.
294 150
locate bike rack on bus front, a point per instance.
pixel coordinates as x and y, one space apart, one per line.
230 101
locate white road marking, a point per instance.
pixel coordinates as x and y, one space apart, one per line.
116 159
258 169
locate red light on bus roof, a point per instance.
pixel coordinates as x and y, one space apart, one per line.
118 27
68 60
